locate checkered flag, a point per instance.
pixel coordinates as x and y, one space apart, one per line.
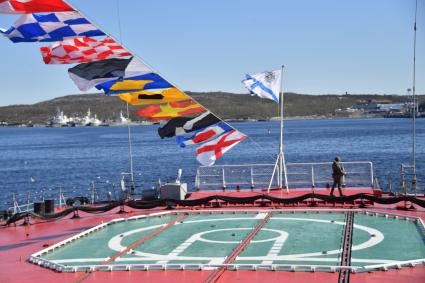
50 27
82 50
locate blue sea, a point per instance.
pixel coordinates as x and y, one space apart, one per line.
40 160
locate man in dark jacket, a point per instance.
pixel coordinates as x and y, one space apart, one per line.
338 174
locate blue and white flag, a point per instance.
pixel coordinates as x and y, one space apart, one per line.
204 135
50 27
265 84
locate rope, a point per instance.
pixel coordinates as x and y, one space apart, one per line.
145 62
141 204
119 20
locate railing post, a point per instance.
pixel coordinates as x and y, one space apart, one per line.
312 176
390 182
224 178
252 178
93 193
376 185
28 202
414 183
371 173
403 184
60 196
197 180
16 207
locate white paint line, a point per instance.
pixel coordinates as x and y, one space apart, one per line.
379 237
80 260
276 248
215 261
182 247
261 215
115 244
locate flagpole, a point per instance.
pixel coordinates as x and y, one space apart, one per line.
130 152
414 103
281 156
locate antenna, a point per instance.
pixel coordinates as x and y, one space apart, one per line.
130 151
414 102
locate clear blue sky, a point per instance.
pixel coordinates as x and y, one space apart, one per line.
327 46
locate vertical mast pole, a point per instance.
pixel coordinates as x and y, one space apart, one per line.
281 156
414 101
130 152
128 113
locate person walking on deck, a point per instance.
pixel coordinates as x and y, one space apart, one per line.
338 174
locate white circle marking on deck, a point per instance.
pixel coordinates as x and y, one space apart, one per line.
115 242
282 236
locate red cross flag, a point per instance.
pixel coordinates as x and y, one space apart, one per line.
209 152
33 6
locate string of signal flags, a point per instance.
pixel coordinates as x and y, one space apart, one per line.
102 63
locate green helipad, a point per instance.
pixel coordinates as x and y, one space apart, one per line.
285 239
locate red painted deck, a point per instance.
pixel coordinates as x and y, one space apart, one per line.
17 243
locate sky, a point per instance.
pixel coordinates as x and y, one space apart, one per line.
327 46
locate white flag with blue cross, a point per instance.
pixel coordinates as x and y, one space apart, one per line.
264 85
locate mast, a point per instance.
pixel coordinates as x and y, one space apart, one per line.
280 165
281 156
414 102
130 151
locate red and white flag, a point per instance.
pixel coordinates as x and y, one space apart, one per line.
82 50
33 6
209 152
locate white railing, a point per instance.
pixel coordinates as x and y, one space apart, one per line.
300 175
411 181
97 191
234 266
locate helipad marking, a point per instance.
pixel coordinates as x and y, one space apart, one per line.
261 215
178 250
198 236
379 237
115 244
276 248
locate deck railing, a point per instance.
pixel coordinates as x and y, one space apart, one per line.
299 175
411 181
96 191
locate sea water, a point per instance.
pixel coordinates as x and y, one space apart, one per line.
39 161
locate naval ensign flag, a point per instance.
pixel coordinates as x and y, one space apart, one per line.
209 152
264 85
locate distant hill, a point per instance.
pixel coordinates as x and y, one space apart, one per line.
225 105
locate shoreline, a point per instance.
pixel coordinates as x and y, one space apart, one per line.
147 123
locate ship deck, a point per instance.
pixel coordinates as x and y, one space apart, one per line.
302 235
